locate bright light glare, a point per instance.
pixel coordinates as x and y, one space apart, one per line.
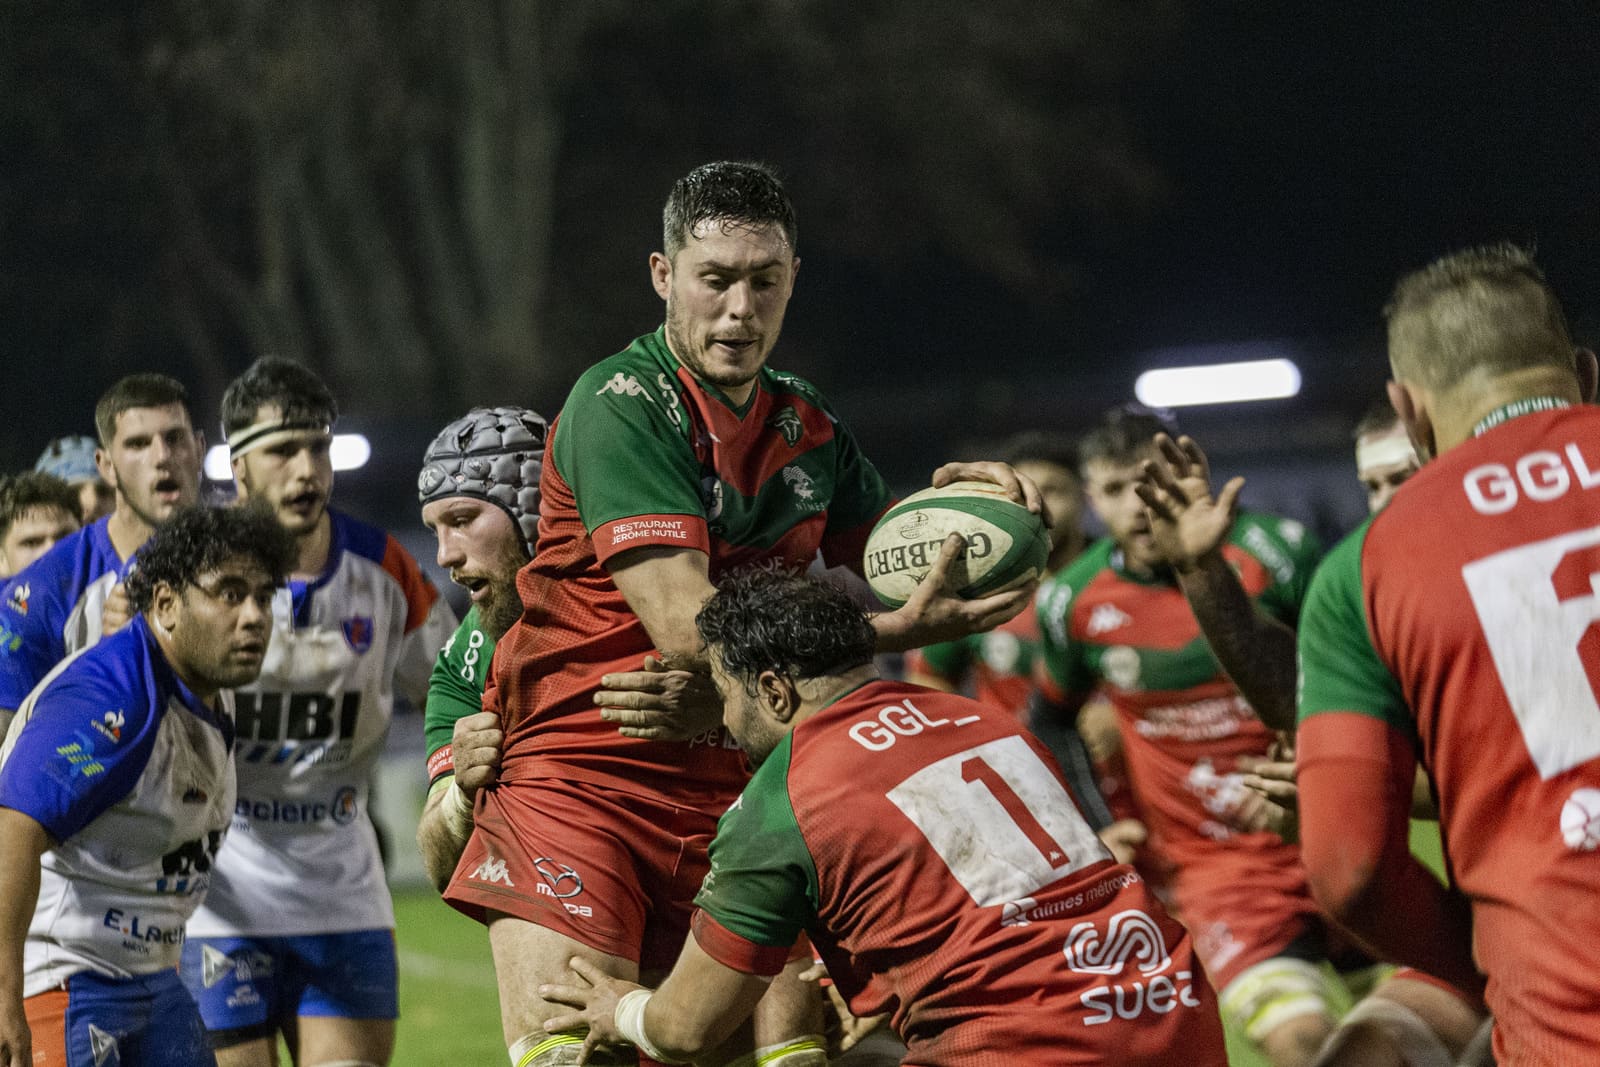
1218 383
349 451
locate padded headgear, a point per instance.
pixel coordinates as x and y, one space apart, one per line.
492 454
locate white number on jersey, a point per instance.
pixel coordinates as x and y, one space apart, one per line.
1539 608
999 819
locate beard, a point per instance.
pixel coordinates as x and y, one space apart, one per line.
501 609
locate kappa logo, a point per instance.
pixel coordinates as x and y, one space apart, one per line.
492 870
18 600
358 631
103 1046
622 385
111 724
799 481
787 423
1130 936
1107 617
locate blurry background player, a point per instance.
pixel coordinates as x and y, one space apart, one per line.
1116 618
116 787
479 490
1411 1019
36 511
297 934
1455 624
1385 457
72 459
930 850
150 455
672 461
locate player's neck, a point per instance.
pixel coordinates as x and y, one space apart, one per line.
818 693
1460 413
312 548
128 532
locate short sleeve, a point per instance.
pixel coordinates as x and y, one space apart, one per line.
31 643
1340 670
1290 552
622 445
82 748
455 689
1061 670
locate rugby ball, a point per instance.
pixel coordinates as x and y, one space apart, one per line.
1006 544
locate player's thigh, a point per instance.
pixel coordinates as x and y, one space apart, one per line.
786 1029
324 1040
347 996
527 956
237 983
249 1052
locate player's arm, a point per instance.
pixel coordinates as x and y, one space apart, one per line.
446 821
698 1007
22 842
1190 527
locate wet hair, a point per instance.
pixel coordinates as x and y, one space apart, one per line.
1380 417
1486 309
736 195
292 388
199 539
26 492
1041 446
1124 434
769 619
135 391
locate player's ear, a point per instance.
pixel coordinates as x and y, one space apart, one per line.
779 697
164 605
661 274
1412 408
1588 374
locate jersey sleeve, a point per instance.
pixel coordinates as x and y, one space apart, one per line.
761 891
82 747
1340 670
455 688
1290 553
1061 671
622 446
31 640
860 497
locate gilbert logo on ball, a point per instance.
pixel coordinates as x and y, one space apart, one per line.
1006 544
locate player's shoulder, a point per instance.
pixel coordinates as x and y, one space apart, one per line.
642 369
1065 584
361 546
1341 568
69 565
785 383
116 682
1283 545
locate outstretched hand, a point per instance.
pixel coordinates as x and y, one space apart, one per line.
658 703
1187 523
594 994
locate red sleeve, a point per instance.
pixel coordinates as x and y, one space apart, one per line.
734 952
1355 775
420 593
637 531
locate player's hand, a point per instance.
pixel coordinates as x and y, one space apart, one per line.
595 994
476 745
1124 838
934 613
16 1040
1186 521
117 612
658 703
1274 798
1018 486
852 1028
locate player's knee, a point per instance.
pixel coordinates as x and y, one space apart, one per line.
807 1051
564 1050
1382 1033
1285 1006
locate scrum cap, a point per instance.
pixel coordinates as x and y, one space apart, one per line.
493 454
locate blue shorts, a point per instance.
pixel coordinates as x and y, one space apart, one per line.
248 986
148 1021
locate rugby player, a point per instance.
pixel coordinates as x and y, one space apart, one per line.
116 787
297 934
479 490
1117 618
930 850
150 454
677 458
1385 457
1453 626
36 511
72 459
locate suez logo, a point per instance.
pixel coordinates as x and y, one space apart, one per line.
342 809
1130 937
133 928
891 723
1495 488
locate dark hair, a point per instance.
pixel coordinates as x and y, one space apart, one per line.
290 387
1486 309
1380 417
25 492
747 195
135 391
769 619
1041 446
1125 433
199 539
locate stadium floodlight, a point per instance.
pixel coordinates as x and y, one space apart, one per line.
1218 383
349 451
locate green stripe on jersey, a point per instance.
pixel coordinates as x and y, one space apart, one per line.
1340 670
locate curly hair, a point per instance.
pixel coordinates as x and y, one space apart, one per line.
769 619
734 194
199 539
34 490
298 394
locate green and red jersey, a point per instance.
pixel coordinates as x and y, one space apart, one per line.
455 688
930 849
644 454
1460 624
999 663
1184 726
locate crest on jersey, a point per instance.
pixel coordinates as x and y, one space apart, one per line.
358 632
787 423
345 807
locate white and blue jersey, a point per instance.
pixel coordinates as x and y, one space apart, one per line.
53 607
303 856
133 777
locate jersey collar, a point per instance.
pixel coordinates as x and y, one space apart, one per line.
1517 408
